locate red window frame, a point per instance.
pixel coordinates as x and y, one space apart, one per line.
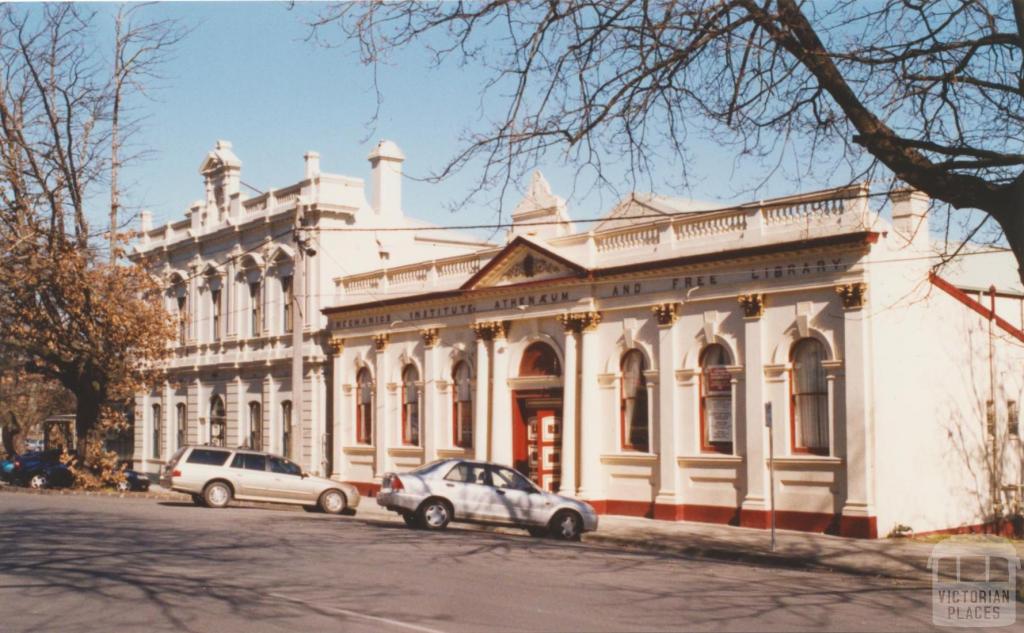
364 410
407 438
627 444
457 437
706 446
793 447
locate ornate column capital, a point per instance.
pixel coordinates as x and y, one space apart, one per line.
337 345
579 321
490 330
666 313
752 304
854 295
380 341
430 337
482 331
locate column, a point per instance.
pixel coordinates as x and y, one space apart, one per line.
317 453
338 418
666 501
243 424
272 434
569 419
381 421
755 504
501 398
169 410
592 419
230 301
853 438
431 429
195 396
481 403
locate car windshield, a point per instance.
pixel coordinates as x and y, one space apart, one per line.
428 468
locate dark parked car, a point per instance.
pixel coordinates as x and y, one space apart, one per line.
133 481
41 469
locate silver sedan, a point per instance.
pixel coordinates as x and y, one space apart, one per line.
461 490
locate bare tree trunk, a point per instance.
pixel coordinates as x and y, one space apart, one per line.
87 416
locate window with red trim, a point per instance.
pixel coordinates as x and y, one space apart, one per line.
364 407
808 398
410 406
539 360
462 406
633 403
716 423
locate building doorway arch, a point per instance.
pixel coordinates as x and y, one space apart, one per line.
537 416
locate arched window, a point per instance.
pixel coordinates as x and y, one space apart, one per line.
633 406
215 312
218 421
716 421
255 309
410 406
286 428
157 427
182 300
539 360
364 407
286 304
182 413
809 397
462 406
255 427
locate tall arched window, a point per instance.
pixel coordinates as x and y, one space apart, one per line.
716 423
255 309
286 428
539 360
157 428
215 312
410 406
218 421
364 407
809 397
182 413
286 303
462 406
255 427
633 405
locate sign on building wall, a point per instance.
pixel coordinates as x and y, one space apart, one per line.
718 404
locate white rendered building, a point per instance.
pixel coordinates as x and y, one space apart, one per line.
634 364
229 267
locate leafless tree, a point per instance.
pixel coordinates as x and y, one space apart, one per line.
930 89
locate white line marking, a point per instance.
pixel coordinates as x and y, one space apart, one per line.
356 614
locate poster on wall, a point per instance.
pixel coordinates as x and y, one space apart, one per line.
718 413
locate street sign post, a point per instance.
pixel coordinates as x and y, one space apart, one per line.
771 464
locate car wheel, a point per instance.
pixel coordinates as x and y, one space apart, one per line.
217 494
411 520
435 514
566 525
38 481
123 486
333 502
198 500
538 532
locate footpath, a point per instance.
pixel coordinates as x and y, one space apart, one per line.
900 558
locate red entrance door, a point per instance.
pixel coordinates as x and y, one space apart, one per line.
537 441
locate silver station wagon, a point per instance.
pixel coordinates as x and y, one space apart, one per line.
213 476
462 490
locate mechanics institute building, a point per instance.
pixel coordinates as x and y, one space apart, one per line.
673 359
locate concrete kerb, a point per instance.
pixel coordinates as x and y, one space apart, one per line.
797 550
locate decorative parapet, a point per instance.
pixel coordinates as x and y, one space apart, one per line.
666 313
380 341
430 337
752 304
854 295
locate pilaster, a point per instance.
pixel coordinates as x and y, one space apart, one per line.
591 419
667 316
430 420
755 503
570 420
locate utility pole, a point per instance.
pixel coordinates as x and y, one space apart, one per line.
298 292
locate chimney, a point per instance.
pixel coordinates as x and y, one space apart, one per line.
386 163
312 164
910 218
145 225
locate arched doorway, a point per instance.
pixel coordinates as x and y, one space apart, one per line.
218 422
537 416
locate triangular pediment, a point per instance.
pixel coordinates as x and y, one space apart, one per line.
523 261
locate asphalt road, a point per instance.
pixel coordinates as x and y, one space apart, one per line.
108 564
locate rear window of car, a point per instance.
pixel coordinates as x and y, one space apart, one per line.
207 457
173 461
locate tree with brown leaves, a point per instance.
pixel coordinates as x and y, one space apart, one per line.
933 91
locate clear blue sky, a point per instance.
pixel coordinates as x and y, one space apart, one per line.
247 74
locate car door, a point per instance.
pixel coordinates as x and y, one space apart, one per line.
517 500
468 487
251 473
286 480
